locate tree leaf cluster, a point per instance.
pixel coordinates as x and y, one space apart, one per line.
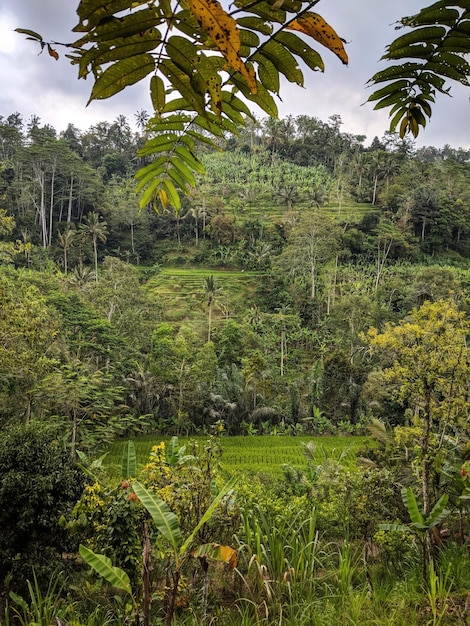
421 62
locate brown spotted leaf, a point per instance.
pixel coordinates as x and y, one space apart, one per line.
223 32
315 26
53 53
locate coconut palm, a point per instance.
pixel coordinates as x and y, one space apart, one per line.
211 291
65 242
98 229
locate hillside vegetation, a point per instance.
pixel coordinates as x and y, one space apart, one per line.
177 387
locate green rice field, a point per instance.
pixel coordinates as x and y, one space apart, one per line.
256 455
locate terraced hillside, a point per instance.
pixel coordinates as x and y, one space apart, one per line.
181 291
347 212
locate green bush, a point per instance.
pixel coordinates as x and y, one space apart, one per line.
39 482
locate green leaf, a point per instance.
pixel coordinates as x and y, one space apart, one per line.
185 172
405 70
208 514
268 74
282 60
19 600
101 564
121 49
388 89
439 512
120 75
401 528
94 12
190 159
129 460
434 15
255 23
166 521
30 33
393 98
182 83
409 501
262 98
300 48
429 34
135 23
235 103
149 194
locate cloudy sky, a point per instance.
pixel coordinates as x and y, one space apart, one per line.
36 84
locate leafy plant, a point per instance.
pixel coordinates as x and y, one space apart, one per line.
41 608
421 524
168 525
430 53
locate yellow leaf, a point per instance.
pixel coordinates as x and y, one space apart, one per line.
315 26
163 197
228 555
223 32
216 552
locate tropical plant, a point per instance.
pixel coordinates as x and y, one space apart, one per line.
427 361
423 59
98 229
66 239
421 524
39 482
180 549
40 608
211 291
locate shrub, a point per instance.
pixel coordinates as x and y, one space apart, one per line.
39 482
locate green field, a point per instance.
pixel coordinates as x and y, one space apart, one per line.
256 455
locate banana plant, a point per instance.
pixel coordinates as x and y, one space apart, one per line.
421 525
168 525
129 460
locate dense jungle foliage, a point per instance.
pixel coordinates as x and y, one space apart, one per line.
310 285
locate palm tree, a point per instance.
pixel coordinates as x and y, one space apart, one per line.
211 291
197 213
65 242
98 229
82 275
141 118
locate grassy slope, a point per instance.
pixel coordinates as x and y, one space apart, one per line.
181 290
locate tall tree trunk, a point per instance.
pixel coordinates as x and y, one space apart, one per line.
312 277
132 237
95 251
69 210
283 340
209 322
374 194
42 208
51 207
